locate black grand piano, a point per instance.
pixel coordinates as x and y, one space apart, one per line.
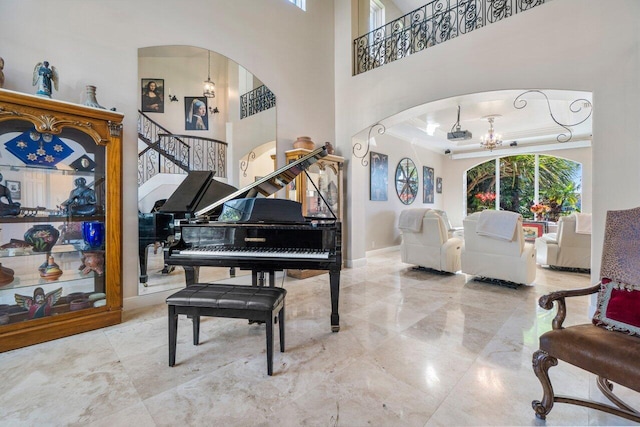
264 235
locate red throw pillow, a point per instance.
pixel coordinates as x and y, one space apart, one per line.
618 307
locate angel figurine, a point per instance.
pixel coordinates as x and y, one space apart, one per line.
40 305
43 77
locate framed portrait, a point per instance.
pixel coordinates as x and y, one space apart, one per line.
152 95
195 113
379 176
439 185
533 229
428 180
15 188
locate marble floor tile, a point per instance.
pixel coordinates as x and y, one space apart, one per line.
415 348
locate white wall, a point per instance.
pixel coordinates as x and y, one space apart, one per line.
96 42
382 216
589 45
185 76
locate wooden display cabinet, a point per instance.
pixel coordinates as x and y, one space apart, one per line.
61 168
326 174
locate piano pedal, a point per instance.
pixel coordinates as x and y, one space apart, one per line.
168 269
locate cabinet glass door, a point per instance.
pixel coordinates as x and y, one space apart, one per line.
325 178
52 223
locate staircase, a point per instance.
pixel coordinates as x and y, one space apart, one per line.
161 152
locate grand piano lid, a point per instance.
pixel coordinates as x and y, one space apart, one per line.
270 183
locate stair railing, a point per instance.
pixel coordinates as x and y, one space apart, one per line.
169 153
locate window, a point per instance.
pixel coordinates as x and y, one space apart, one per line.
515 183
302 4
376 14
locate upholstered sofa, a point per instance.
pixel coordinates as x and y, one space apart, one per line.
504 255
568 248
426 242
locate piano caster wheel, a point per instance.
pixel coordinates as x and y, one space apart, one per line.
335 328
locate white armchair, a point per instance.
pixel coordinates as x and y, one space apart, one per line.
429 245
453 232
507 257
570 247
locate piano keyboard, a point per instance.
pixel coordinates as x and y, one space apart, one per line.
218 251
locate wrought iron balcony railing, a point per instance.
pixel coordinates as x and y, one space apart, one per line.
256 100
431 24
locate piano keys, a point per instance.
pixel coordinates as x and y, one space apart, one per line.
259 234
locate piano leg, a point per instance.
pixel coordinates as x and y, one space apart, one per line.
142 255
334 280
191 274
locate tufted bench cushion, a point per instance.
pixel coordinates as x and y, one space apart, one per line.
255 303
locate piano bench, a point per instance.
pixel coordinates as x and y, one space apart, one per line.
255 303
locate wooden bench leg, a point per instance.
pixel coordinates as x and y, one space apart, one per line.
269 326
196 328
281 327
173 334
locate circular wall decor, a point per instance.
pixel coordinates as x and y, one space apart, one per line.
406 181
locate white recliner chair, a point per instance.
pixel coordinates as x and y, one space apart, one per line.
494 247
450 229
570 247
428 244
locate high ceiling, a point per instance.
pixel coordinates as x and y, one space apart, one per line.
532 126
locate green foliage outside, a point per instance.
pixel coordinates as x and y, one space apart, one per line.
557 185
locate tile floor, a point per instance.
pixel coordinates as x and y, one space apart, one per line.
415 349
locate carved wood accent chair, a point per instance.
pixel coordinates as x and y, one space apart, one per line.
609 347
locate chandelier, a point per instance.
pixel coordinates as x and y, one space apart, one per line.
491 140
209 89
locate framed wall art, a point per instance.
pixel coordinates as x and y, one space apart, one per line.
427 176
407 181
379 176
152 95
439 185
195 113
533 229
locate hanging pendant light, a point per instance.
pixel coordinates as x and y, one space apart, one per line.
209 89
491 140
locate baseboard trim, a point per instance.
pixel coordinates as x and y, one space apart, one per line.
382 251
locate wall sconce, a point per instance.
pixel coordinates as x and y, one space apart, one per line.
172 97
214 110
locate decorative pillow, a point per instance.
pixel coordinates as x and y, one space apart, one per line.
618 307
